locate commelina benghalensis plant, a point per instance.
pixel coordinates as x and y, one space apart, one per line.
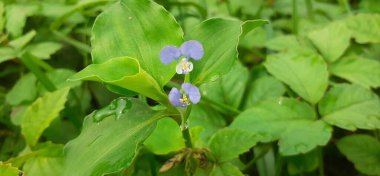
189 50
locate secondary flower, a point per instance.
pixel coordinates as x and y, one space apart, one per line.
190 94
190 49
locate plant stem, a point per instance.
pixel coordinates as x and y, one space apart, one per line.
279 164
309 7
346 6
27 60
320 159
295 17
257 157
185 129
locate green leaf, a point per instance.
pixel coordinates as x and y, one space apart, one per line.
365 72
228 143
44 50
225 169
46 149
283 42
290 121
229 89
41 113
16 17
331 40
166 138
111 144
300 164
20 42
304 71
24 91
124 72
138 29
7 53
365 27
47 161
263 88
351 107
208 119
8 170
363 151
219 38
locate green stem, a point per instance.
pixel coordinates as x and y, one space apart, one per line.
142 98
79 45
320 160
256 158
346 6
185 129
42 64
309 7
279 165
27 60
229 7
295 17
202 11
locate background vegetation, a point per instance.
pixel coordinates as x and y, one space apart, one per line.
301 99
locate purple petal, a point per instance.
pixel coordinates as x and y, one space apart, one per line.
192 91
192 49
175 96
169 53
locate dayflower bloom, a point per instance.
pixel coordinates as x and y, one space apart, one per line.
190 49
189 95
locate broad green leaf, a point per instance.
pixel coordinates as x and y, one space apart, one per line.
351 107
41 113
219 38
303 163
228 143
304 71
166 138
46 160
363 151
225 169
7 53
8 170
282 43
124 72
229 89
20 42
290 121
264 88
365 72
138 29
111 144
332 40
24 91
365 27
16 17
208 120
43 50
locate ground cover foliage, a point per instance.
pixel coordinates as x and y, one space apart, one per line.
189 87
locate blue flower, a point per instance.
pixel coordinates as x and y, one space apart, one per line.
190 49
190 95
